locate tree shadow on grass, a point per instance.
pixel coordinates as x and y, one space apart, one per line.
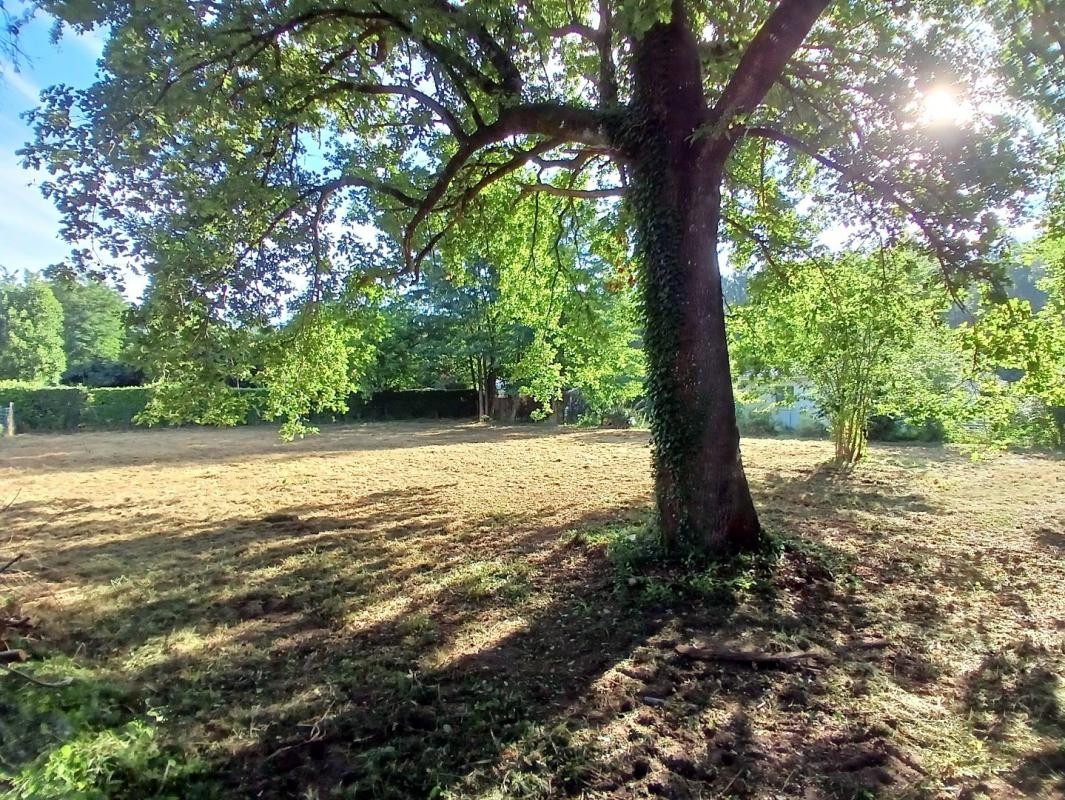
383 649
1013 696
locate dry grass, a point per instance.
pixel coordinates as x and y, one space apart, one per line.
393 610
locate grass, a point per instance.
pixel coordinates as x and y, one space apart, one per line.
403 611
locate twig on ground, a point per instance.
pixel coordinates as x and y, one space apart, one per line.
12 562
36 681
11 502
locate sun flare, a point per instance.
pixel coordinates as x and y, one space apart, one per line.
942 106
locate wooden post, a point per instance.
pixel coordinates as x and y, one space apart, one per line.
9 426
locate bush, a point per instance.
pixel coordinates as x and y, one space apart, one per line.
887 428
428 404
101 373
756 422
414 404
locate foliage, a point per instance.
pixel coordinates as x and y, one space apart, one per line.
102 373
312 365
116 407
44 408
537 296
863 335
70 408
418 347
93 324
518 298
79 742
31 332
1012 336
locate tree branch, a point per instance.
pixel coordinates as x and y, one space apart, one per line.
561 123
579 194
510 77
445 114
576 29
887 189
764 61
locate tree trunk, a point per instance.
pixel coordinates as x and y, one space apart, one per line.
703 499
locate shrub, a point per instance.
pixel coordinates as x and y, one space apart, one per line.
101 373
54 408
70 408
756 422
116 407
429 404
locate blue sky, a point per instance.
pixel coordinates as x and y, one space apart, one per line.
29 224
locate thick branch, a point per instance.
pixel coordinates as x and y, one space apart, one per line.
510 77
561 123
442 111
608 75
349 182
764 61
576 29
580 194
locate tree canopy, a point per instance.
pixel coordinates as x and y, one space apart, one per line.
31 332
93 324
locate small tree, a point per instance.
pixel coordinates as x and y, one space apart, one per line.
31 332
863 334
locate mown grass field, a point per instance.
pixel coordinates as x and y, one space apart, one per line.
419 610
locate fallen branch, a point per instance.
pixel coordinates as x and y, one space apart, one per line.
751 655
9 656
36 681
12 562
22 624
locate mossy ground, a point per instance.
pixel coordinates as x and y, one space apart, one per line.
416 610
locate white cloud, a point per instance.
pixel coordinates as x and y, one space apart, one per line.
92 42
18 83
29 224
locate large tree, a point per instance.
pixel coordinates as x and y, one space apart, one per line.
93 325
226 141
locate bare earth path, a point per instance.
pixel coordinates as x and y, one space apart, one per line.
393 610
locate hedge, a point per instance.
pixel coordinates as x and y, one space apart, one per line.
55 408
113 407
427 404
412 404
71 408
